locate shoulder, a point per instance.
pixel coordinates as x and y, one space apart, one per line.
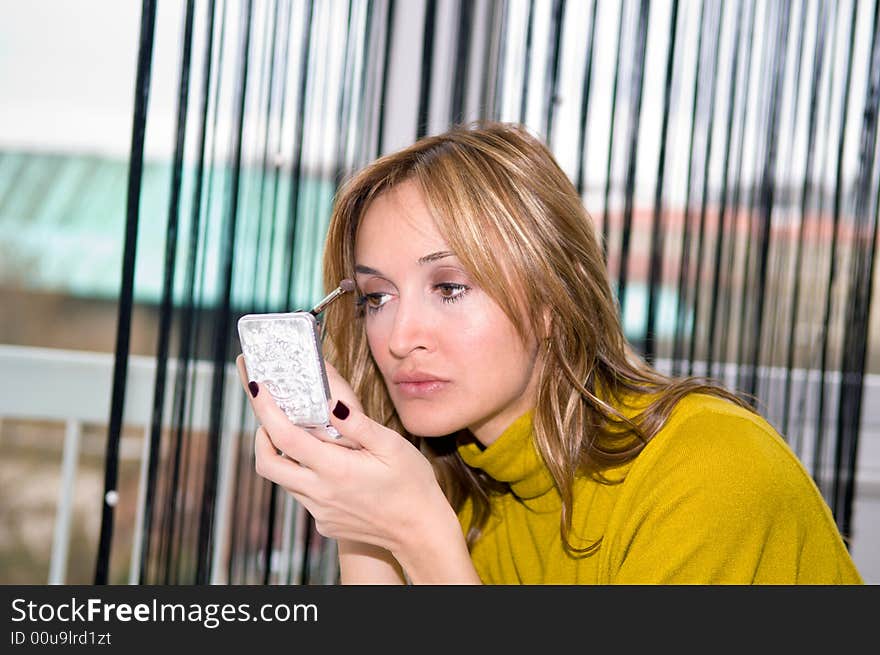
704 407
718 495
728 452
717 428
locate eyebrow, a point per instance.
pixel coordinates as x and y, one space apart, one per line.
434 256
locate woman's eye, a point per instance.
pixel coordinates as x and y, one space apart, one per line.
373 301
451 292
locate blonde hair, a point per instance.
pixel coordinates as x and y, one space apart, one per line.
517 224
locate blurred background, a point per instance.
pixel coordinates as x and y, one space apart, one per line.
167 166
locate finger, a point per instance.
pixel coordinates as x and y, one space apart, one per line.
340 388
279 424
242 371
292 439
282 470
361 429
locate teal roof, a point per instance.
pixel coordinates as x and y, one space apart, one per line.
62 228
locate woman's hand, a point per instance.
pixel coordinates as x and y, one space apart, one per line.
340 389
383 493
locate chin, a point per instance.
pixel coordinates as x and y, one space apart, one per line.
428 424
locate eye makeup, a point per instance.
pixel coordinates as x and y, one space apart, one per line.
456 290
448 290
345 286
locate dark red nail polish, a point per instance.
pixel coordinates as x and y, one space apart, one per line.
340 411
254 388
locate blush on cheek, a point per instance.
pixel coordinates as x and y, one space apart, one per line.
375 345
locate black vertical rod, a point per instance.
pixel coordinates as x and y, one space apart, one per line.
751 229
427 67
126 296
270 515
386 67
183 433
768 183
276 177
186 315
704 196
780 262
491 63
371 85
343 107
365 148
736 204
684 259
816 77
610 161
186 379
201 262
182 503
296 168
527 64
221 334
266 163
586 87
259 524
167 304
636 87
551 80
821 197
497 95
855 338
722 203
461 67
832 275
243 485
656 241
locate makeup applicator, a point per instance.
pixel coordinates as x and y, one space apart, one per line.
345 286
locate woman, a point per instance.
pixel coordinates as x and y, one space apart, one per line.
507 432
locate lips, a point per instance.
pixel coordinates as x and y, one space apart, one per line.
420 389
406 377
418 384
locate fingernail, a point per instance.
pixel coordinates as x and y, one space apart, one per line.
340 411
254 388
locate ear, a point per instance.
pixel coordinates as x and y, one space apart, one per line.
548 322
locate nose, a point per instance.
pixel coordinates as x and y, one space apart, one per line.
411 329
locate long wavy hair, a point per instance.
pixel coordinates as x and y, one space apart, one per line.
517 224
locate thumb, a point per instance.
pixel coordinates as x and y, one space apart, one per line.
359 428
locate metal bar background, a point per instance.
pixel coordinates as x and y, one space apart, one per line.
727 151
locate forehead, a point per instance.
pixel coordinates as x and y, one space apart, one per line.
397 222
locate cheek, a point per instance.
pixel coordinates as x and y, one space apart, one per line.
378 332
480 340
492 347
376 339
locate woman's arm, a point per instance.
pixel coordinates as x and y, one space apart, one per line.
364 564
435 552
380 497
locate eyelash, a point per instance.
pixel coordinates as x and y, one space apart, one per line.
463 288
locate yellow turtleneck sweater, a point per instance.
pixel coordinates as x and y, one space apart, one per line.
717 497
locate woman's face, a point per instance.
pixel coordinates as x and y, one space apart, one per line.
450 357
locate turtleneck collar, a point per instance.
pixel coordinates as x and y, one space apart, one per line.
513 458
